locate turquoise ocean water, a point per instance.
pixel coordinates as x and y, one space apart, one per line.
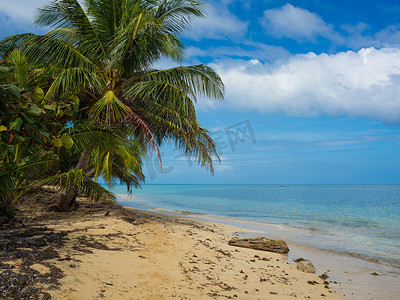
359 220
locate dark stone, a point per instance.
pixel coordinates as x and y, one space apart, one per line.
324 276
264 244
299 259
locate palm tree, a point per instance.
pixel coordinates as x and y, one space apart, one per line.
106 53
36 146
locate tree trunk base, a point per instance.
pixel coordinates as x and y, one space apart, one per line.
67 202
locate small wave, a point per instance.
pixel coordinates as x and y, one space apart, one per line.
371 258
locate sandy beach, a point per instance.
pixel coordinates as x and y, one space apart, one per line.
100 252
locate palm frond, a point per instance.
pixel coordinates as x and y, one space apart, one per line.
106 16
193 80
176 15
130 29
19 62
70 14
79 181
177 87
109 109
44 50
127 167
95 137
8 44
188 136
142 132
74 81
67 35
113 156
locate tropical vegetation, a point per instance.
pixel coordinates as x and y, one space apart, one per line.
84 100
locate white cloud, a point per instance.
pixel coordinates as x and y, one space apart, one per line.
219 23
300 24
359 36
17 16
295 22
254 61
358 84
388 36
21 10
223 167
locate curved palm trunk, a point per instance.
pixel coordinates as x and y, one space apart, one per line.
67 200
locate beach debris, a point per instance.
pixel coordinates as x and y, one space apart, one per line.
305 266
24 261
265 259
273 293
261 243
129 219
226 287
324 276
375 274
226 253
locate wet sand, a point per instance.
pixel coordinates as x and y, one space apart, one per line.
355 277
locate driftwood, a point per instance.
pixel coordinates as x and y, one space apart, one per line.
264 244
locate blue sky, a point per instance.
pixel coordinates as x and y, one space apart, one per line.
312 90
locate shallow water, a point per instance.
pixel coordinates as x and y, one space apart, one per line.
362 220
358 225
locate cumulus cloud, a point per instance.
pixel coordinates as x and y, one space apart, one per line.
357 84
302 25
297 23
219 23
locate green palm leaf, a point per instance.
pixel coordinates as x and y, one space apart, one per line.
109 109
70 14
43 50
18 60
78 180
75 80
176 15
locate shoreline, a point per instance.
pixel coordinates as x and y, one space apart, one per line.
354 272
99 252
274 229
